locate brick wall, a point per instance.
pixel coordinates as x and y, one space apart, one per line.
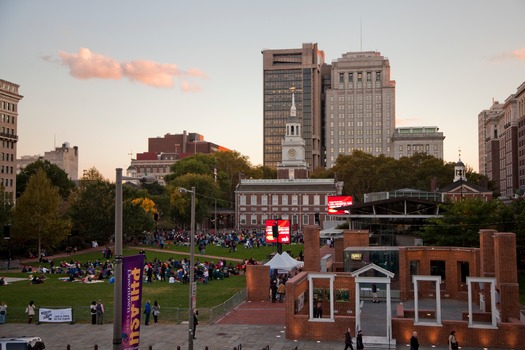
257 282
312 252
508 336
355 238
506 274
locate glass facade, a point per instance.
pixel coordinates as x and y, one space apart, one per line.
384 257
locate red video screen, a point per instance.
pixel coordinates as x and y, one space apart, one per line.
283 231
337 202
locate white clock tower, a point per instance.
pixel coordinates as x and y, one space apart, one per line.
293 165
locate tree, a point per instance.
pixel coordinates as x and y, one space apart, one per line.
92 174
206 191
57 176
37 217
461 221
92 211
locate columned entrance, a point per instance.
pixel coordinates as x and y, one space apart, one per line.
360 280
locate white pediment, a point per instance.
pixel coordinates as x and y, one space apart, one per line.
372 266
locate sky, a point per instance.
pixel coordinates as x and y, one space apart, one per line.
107 75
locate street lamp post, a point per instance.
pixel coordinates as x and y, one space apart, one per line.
191 268
117 290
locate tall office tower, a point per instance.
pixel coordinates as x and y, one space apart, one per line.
360 106
286 71
9 99
488 142
501 138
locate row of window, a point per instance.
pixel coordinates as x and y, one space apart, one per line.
285 199
418 148
9 106
359 76
254 219
8 144
6 169
6 118
6 182
155 170
8 157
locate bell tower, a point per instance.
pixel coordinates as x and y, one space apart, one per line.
293 165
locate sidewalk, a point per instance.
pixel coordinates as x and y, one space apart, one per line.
169 336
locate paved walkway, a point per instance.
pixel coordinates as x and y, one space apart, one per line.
168 337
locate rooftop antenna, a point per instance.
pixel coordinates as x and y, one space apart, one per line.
459 150
130 154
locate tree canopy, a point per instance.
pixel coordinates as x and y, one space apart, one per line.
38 216
57 176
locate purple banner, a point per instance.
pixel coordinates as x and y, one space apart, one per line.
132 267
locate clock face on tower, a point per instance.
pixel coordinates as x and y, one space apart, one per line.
292 153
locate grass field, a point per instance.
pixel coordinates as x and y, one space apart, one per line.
79 295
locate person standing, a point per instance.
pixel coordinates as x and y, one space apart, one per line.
195 322
374 293
30 311
452 341
319 310
359 341
3 312
156 312
348 339
281 290
147 312
100 312
414 343
274 291
93 309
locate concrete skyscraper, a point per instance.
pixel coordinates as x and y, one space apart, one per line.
360 106
9 99
286 71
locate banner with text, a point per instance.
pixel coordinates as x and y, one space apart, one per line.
55 315
132 267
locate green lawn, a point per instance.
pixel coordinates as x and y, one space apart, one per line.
173 298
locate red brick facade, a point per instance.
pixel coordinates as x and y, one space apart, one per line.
497 254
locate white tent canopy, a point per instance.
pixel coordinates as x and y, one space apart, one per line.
279 263
296 263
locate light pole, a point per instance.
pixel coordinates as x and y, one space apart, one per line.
191 268
117 290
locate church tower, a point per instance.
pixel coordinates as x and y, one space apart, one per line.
293 165
459 170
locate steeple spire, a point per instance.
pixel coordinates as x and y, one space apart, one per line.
293 110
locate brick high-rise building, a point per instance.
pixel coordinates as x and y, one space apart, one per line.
9 98
501 137
165 151
298 70
360 106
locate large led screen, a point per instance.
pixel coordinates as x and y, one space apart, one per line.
337 202
283 231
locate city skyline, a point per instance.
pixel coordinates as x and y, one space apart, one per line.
107 76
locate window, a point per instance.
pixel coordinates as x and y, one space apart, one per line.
306 200
284 199
317 199
242 199
359 77
306 220
341 78
350 78
264 199
242 219
254 219
378 76
295 199
275 199
253 199
368 76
